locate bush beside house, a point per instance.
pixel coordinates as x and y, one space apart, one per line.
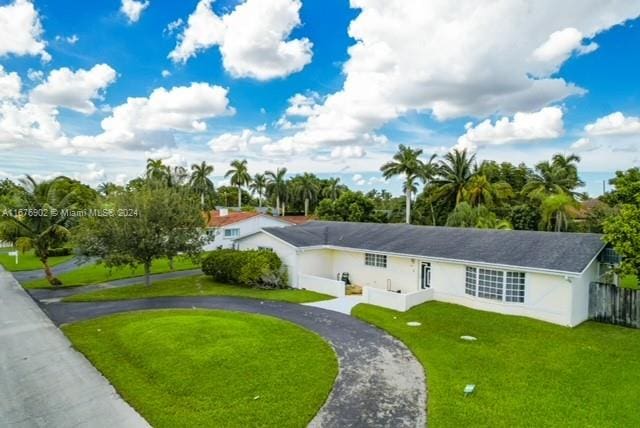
254 268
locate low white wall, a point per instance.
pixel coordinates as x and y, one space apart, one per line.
397 301
321 285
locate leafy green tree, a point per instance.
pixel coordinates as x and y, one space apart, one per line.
350 206
626 187
464 215
622 231
277 187
200 181
146 224
239 177
405 162
524 217
455 173
259 185
44 222
480 191
556 212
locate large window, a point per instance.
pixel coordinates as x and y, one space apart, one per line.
231 233
495 284
377 260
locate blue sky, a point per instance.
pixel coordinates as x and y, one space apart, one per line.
327 87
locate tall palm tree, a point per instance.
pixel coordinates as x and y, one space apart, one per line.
239 177
558 176
156 170
307 189
258 185
557 211
42 233
332 189
277 185
405 162
428 172
455 172
107 188
200 181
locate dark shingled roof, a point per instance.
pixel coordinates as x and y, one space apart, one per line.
563 252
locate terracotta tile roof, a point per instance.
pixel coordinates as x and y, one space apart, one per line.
296 219
216 220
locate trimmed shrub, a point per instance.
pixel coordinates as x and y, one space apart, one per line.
59 252
253 268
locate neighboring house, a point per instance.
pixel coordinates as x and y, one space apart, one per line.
224 226
543 275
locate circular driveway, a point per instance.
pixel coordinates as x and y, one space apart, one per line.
380 382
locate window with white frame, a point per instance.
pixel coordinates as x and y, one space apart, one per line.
495 284
377 260
231 233
514 287
471 281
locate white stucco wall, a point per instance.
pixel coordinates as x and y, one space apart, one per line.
548 297
247 227
286 253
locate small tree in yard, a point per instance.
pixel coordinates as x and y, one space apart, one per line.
41 222
144 225
623 232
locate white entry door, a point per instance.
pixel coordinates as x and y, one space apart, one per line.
425 275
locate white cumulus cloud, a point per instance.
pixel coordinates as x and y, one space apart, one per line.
348 152
541 125
583 145
74 89
237 142
10 84
21 31
133 9
253 38
614 124
144 122
559 46
451 60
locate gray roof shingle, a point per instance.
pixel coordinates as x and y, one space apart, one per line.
562 252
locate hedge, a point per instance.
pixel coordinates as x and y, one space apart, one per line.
253 268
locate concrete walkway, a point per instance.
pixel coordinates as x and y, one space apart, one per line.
43 381
340 304
380 383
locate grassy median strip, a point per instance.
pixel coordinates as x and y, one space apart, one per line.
526 372
27 261
98 273
195 368
199 285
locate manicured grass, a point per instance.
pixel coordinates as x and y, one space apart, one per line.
97 273
629 281
200 285
27 261
197 368
527 372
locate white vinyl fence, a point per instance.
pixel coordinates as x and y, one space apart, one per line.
397 301
321 285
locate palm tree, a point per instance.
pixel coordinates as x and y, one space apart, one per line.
405 162
156 170
277 185
427 173
454 174
200 181
258 185
558 176
107 188
41 233
307 189
480 191
239 177
557 210
332 188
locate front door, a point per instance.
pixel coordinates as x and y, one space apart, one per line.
425 277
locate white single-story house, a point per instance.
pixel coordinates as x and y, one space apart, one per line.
224 226
543 275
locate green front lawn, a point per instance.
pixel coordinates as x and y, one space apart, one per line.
527 372
27 261
629 281
98 273
197 368
200 285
